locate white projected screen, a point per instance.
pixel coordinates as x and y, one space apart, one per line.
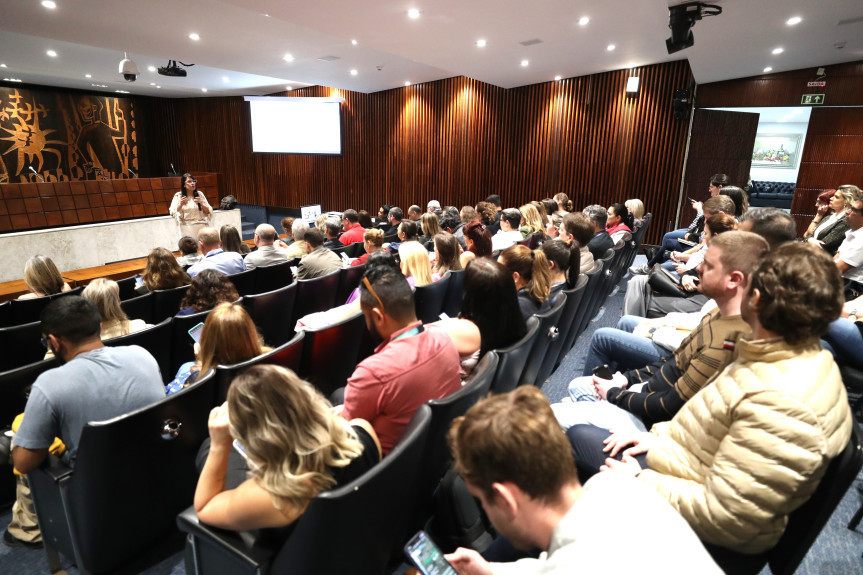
296 125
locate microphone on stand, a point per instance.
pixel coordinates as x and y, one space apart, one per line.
41 179
131 171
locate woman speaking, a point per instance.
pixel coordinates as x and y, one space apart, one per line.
190 208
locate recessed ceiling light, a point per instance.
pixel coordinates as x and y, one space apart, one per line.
121 91
88 75
354 42
583 21
49 4
203 89
151 68
288 58
768 69
225 79
158 87
152 83
557 78
52 53
99 85
353 72
481 43
610 47
794 20
265 15
413 13
524 63
2 65
12 80
407 83
778 50
194 36
289 88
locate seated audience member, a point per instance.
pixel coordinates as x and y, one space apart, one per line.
774 225
189 248
619 221
430 227
295 445
468 214
715 224
267 254
287 228
510 220
849 256
452 224
319 261
552 228
414 213
413 364
551 207
477 237
105 294
229 337
332 228
394 218
530 272
227 262
543 215
231 241
491 302
42 278
433 207
94 383
320 224
383 217
415 263
353 231
828 227
162 271
844 338
447 254
645 395
752 446
636 208
526 481
532 222
298 247
563 262
486 213
577 227
407 231
564 204
378 258
601 240
739 197
365 220
373 240
497 206
209 288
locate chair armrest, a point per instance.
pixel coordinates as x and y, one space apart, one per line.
55 469
241 545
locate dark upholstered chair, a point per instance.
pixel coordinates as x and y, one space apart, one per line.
337 533
355 250
21 345
331 354
317 294
156 340
597 293
514 358
429 299
286 355
127 288
583 315
565 326
548 334
132 476
349 279
272 313
5 314
454 293
245 281
140 307
166 302
28 310
270 278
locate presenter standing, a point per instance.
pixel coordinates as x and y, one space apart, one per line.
190 208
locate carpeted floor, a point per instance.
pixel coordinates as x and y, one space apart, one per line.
837 551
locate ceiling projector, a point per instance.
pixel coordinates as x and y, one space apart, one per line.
173 69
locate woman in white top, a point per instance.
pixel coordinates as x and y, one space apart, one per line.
190 208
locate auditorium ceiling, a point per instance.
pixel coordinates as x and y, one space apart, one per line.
258 47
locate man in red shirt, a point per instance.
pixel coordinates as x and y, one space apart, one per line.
414 364
353 230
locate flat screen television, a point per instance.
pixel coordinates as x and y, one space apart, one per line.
296 125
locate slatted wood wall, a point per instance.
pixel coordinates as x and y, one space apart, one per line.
454 140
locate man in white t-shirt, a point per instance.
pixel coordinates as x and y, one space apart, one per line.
510 219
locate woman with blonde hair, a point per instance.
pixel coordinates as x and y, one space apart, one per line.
415 263
532 277
294 445
373 240
42 278
636 208
430 227
162 271
533 222
229 336
105 294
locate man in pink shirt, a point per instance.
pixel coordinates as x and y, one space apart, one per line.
414 364
353 230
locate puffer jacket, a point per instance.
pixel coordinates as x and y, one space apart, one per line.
751 447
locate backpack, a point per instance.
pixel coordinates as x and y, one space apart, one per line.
228 203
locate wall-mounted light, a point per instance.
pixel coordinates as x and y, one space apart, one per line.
632 86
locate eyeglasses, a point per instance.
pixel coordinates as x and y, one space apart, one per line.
44 342
193 180
853 209
369 287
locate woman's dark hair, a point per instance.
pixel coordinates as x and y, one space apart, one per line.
563 201
738 196
188 245
230 237
381 258
720 180
486 212
481 238
550 206
491 302
409 229
447 251
183 179
625 216
208 289
566 258
365 219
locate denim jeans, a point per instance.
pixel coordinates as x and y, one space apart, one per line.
670 243
845 343
620 349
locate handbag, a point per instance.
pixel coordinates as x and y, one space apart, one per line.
664 283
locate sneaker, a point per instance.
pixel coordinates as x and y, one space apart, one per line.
12 541
639 270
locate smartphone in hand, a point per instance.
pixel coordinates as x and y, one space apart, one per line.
426 556
602 372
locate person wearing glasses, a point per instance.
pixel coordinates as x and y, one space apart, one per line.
849 256
190 208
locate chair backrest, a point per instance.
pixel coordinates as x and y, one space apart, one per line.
15 387
140 307
182 344
454 293
338 250
597 296
166 302
429 299
156 340
360 526
349 279
21 345
317 294
5 314
132 476
513 359
244 281
565 326
355 250
584 313
127 288
286 355
272 313
273 277
548 335
331 354
28 310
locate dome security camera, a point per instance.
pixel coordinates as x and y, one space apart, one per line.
128 69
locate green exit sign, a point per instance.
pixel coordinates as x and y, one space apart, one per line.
812 99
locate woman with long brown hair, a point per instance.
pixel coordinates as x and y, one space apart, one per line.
42 278
162 271
530 272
